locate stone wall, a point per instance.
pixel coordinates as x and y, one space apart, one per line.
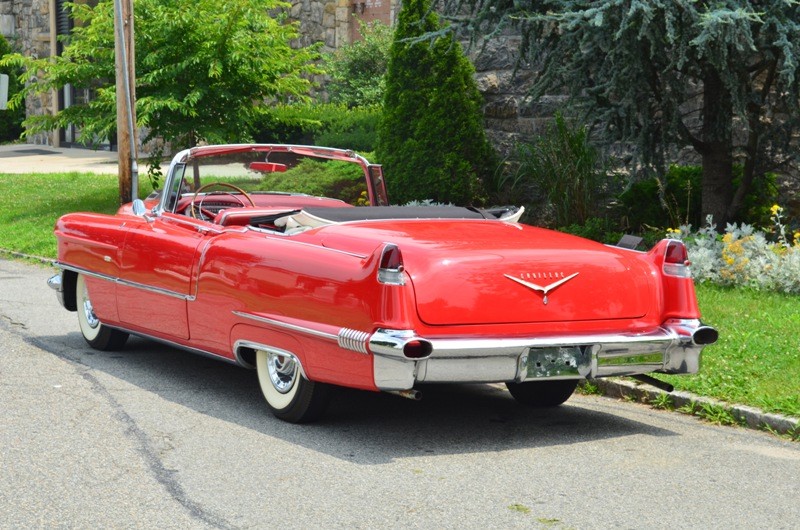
26 26
510 113
322 21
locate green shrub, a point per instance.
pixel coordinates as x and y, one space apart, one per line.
342 180
676 200
330 125
10 120
431 139
595 228
562 168
357 69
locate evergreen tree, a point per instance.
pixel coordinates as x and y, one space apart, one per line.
719 77
431 139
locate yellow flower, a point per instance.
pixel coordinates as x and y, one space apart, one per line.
776 209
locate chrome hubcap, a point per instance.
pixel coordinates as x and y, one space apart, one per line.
88 311
282 371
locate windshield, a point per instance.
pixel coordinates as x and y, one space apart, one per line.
265 176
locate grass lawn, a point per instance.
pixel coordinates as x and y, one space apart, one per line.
757 358
756 361
30 205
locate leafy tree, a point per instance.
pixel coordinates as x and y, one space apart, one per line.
10 119
716 76
431 138
202 66
357 69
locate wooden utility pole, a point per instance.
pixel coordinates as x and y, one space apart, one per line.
126 100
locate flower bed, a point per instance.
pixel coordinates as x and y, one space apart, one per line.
744 256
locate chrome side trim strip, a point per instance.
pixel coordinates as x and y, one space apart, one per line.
286 325
126 283
348 339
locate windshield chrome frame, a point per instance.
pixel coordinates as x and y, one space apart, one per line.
323 153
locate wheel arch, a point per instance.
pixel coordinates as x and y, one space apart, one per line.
69 282
248 339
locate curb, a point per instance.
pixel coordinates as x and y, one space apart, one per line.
40 259
747 416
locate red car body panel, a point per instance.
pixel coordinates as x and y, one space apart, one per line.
221 288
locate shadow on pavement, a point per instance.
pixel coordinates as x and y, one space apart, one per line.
361 427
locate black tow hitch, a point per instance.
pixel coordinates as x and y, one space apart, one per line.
666 387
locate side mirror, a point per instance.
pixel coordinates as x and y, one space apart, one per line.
140 210
139 207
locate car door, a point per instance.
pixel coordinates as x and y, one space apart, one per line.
157 273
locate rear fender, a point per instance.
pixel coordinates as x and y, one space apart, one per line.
679 299
396 308
323 361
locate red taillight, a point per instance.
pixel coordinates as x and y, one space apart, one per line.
676 253
391 266
676 260
391 259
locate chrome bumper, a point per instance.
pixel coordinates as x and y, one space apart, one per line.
57 284
673 348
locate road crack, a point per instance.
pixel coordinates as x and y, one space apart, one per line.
14 323
143 445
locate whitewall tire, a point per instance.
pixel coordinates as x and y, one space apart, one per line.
97 335
290 396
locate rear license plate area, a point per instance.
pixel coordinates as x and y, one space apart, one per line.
558 361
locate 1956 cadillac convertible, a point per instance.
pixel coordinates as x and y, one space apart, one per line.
312 292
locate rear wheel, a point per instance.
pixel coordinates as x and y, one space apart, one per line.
543 393
97 335
290 396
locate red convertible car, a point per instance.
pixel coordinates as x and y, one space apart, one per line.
312 292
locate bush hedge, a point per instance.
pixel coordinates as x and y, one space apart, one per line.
341 180
676 200
325 124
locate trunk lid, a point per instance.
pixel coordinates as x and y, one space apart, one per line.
488 272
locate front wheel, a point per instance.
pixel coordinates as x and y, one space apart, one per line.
97 335
290 396
543 393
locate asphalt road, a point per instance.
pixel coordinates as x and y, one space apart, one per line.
152 437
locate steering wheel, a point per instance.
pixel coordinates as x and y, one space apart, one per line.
197 210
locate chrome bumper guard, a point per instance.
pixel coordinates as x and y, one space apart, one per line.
673 348
57 285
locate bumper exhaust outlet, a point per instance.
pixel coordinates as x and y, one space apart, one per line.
705 335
